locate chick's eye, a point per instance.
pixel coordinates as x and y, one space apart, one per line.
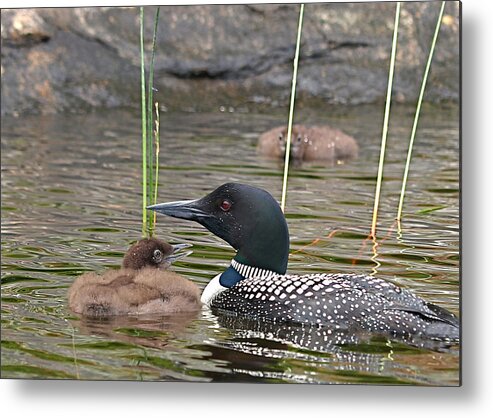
225 205
280 137
299 139
158 255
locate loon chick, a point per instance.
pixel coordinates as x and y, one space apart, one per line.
139 287
256 285
309 144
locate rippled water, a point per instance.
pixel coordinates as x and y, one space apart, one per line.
71 204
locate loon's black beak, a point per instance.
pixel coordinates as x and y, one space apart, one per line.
184 209
176 255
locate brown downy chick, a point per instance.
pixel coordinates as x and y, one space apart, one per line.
141 286
309 144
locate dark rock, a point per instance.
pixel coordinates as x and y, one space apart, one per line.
236 56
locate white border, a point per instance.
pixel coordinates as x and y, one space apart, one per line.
474 399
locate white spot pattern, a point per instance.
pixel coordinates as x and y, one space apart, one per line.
369 302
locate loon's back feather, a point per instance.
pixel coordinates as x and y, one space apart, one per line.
338 301
403 299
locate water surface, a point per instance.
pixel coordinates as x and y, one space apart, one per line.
71 204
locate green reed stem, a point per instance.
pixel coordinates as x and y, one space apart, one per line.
291 109
144 126
150 85
418 110
386 120
156 160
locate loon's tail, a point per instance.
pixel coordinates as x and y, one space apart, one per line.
445 325
443 331
431 320
443 315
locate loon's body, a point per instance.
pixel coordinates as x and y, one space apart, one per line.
338 301
141 286
256 285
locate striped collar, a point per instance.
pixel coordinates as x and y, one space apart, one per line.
249 272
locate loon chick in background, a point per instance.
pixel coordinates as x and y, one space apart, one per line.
256 285
314 143
141 286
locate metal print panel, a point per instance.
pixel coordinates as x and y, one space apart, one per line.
263 193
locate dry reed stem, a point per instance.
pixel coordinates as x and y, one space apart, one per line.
386 121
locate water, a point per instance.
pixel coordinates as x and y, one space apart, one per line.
71 204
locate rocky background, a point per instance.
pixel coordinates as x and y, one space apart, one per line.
229 56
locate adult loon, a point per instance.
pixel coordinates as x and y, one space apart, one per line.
141 286
256 285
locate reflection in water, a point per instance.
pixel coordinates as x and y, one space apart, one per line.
71 204
323 339
155 331
259 348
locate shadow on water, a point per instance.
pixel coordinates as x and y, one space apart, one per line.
71 204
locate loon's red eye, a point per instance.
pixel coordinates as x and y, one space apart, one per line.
225 205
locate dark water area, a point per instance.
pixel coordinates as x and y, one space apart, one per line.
71 203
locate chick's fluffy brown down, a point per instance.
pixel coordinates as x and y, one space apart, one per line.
128 291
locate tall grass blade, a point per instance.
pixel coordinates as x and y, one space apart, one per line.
291 110
418 110
150 111
386 121
144 125
156 163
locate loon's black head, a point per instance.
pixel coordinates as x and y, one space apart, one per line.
246 217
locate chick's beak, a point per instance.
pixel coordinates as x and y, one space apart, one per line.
176 254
